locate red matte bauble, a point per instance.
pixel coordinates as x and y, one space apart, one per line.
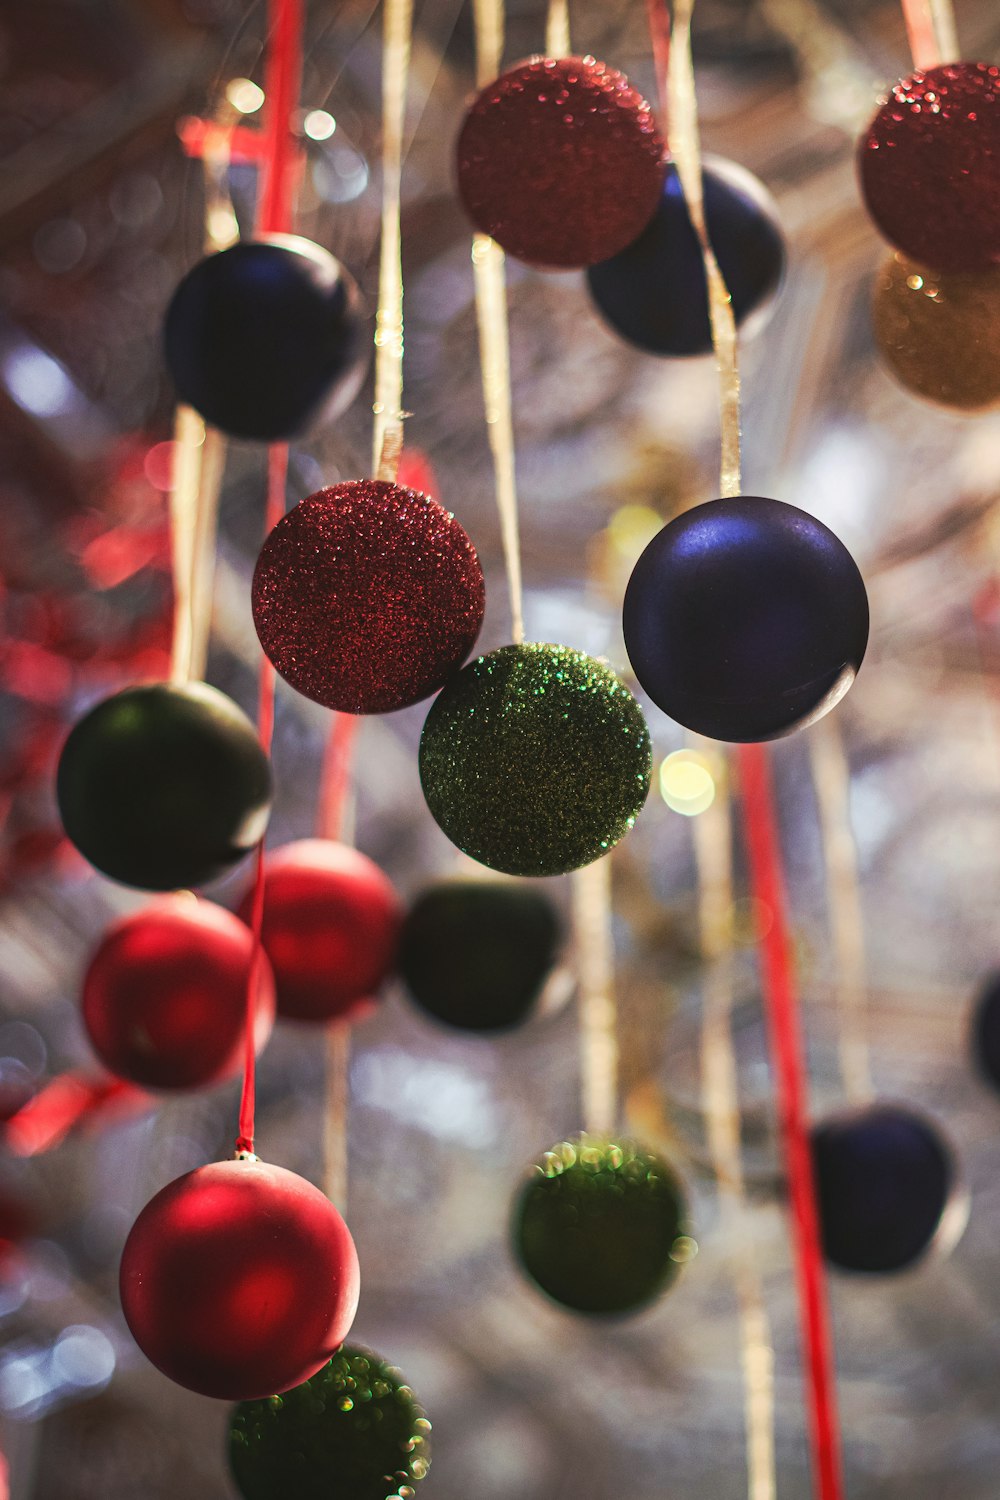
560 161
331 928
239 1280
165 995
368 596
930 167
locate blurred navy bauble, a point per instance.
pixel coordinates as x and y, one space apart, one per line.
267 338
884 1178
745 619
986 1030
654 293
164 786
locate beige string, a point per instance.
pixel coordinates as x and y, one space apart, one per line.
387 436
557 42
930 28
336 1112
597 1009
185 478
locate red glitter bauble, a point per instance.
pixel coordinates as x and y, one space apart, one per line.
367 596
239 1280
560 161
331 926
930 167
165 996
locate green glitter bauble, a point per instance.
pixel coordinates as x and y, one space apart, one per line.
599 1225
352 1432
535 759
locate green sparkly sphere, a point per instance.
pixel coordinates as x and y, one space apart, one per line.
599 1225
352 1432
535 759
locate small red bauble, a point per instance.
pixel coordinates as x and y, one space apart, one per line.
368 596
239 1280
560 161
165 996
930 167
331 927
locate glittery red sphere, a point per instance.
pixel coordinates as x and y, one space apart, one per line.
367 596
930 167
331 926
561 162
239 1280
165 996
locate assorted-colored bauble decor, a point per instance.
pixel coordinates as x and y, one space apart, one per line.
331 926
597 1225
745 619
930 167
884 1180
986 1030
165 995
938 334
476 954
654 293
367 597
239 1280
535 759
355 1431
164 786
267 339
560 162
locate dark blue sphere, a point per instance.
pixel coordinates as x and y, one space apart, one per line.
884 1178
745 619
654 293
986 1030
267 339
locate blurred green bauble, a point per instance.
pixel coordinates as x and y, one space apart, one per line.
535 759
352 1432
599 1225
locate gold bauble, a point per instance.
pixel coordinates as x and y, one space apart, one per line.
939 334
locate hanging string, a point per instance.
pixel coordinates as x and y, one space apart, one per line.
598 1012
387 437
930 28
557 42
185 488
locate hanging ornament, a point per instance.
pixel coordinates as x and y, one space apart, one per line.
239 1280
986 1030
745 619
476 954
164 786
535 759
355 1431
267 339
939 334
165 995
930 167
654 294
560 162
331 926
367 597
597 1225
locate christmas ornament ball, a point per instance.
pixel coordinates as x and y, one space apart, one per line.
367 596
331 926
535 759
164 786
354 1431
745 619
597 1225
165 995
560 162
267 339
938 333
986 1030
930 167
239 1280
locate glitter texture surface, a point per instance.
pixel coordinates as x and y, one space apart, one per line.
930 167
535 760
367 596
561 162
939 333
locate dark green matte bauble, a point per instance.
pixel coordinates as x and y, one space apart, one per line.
354 1431
535 759
164 786
597 1225
475 954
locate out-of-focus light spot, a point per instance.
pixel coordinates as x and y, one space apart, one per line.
59 245
136 199
687 784
914 283
340 175
223 227
750 921
37 382
318 125
685 1249
245 95
83 1357
441 1099
158 465
632 528
22 1384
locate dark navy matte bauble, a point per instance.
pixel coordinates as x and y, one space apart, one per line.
745 619
986 1030
267 338
654 293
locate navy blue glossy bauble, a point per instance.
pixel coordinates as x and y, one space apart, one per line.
654 293
745 619
986 1030
267 339
884 1178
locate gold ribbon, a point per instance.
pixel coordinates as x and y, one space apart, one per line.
387 436
596 997
557 43
932 34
